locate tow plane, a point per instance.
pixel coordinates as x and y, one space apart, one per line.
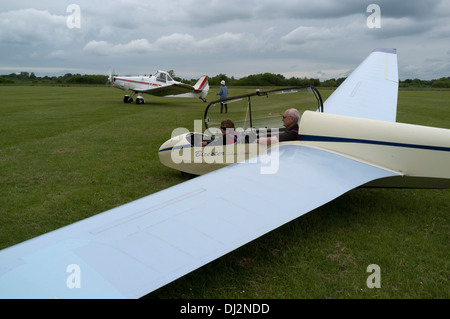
132 250
159 84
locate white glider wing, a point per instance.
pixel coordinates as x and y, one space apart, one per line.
131 250
370 91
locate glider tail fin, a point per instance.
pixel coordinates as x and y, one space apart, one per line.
370 91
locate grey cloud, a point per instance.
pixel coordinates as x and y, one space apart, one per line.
31 26
232 37
412 9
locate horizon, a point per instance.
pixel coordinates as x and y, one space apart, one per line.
295 38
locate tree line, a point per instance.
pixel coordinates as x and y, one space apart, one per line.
262 79
68 78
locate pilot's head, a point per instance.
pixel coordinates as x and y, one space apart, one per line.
226 124
290 118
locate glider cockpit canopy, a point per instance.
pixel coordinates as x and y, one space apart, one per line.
261 110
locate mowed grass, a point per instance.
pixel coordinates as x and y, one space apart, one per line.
67 153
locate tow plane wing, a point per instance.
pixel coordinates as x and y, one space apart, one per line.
131 250
180 89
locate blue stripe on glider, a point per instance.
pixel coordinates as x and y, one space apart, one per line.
333 139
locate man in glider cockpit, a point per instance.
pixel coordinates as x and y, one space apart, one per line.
290 121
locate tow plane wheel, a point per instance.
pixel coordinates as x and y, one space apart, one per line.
127 99
140 100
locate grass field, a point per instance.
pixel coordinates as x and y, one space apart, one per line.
67 153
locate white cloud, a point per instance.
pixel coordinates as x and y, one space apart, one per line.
138 46
232 42
175 42
304 34
322 36
95 47
179 42
31 26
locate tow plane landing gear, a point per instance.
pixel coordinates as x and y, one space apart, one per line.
140 100
129 99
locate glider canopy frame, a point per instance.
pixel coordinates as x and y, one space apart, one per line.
249 113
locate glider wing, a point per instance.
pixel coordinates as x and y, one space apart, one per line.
131 250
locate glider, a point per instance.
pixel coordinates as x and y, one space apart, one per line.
159 84
255 115
132 250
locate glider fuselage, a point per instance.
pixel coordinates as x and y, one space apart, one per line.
420 154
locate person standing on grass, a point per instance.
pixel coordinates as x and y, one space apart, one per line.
223 93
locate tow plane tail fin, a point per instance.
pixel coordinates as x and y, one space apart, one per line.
202 86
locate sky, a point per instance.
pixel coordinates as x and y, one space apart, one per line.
315 39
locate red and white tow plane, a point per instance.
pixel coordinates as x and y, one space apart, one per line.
159 84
